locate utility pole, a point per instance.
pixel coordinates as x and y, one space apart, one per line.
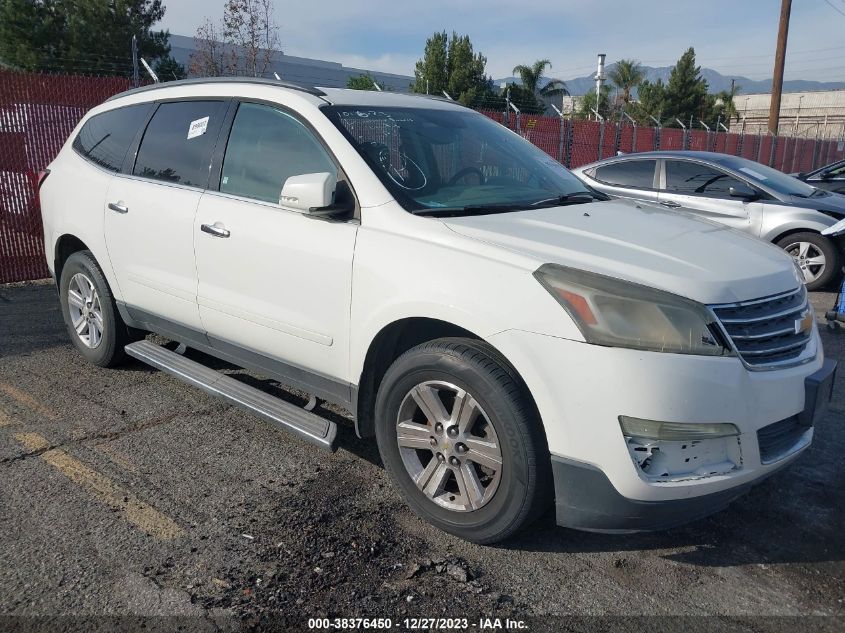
135 78
780 59
599 81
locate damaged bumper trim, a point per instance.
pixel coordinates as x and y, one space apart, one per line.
586 500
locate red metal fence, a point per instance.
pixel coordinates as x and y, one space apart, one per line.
38 112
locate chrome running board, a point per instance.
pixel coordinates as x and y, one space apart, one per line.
308 426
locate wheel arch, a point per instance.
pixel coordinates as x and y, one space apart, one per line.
393 340
66 246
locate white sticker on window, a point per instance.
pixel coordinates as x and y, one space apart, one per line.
752 173
198 127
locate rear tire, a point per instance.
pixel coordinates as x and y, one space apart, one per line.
818 256
486 414
90 313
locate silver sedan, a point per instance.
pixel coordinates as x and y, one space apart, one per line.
735 191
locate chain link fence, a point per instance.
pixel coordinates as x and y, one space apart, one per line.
38 112
578 142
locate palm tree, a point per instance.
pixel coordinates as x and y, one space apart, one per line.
627 74
531 76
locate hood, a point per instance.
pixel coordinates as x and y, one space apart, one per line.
676 252
832 204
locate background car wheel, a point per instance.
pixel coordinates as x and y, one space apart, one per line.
816 255
462 440
89 311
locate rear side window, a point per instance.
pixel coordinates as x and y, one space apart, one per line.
694 178
628 173
105 138
178 142
265 148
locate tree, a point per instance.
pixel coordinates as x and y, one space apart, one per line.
524 99
588 104
652 101
431 75
207 60
249 27
725 106
626 75
243 44
465 70
80 36
363 82
532 75
168 69
451 65
686 92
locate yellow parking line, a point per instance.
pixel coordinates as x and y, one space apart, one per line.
26 400
133 509
116 456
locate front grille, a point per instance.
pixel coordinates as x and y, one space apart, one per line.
779 439
768 332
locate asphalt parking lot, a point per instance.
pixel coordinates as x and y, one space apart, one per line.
125 492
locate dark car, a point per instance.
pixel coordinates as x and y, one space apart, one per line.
830 177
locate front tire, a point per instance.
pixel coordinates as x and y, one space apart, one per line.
90 313
816 255
462 440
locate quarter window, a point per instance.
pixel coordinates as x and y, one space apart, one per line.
694 178
628 173
265 148
178 142
105 138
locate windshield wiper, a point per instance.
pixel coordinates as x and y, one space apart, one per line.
576 197
470 209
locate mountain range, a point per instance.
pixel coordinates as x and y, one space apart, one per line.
716 82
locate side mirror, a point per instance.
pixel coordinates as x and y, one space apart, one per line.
309 193
744 192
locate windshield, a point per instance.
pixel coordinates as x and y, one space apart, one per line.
439 159
771 178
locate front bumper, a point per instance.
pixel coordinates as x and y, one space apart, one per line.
586 500
581 389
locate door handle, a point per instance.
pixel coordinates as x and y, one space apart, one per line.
216 231
119 207
671 204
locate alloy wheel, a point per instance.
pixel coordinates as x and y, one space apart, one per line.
85 310
809 258
448 446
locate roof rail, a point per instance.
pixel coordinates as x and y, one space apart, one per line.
223 80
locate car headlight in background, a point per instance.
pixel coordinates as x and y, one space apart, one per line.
619 313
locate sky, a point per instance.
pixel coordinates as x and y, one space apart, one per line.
735 37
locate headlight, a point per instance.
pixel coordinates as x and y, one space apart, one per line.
618 313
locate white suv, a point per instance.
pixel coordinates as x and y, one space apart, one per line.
507 336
